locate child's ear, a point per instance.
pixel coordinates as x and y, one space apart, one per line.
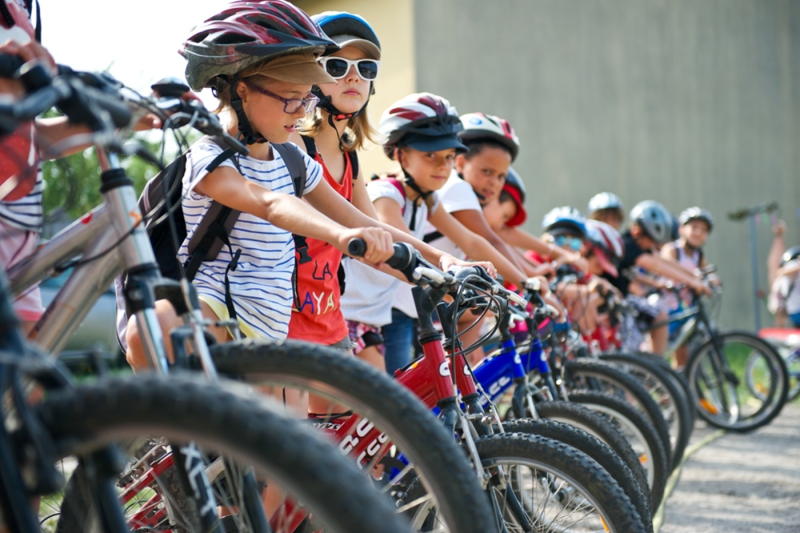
461 161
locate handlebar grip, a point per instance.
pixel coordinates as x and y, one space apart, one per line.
9 65
119 111
357 247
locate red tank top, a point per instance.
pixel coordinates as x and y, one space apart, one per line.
319 318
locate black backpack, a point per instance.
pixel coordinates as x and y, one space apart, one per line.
212 232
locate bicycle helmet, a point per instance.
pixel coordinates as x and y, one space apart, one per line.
564 220
654 219
346 29
242 35
604 200
516 189
697 213
674 230
790 255
19 157
607 245
478 126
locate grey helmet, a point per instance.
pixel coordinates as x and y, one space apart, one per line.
697 213
604 200
790 255
654 219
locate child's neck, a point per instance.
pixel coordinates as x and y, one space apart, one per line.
327 140
687 247
260 151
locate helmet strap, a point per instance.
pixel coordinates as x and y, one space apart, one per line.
246 133
326 104
422 196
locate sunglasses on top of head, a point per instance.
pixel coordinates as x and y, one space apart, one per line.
338 67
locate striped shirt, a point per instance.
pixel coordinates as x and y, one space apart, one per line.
25 213
261 286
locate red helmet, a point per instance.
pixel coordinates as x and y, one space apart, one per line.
247 33
423 121
607 244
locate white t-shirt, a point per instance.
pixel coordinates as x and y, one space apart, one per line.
369 293
261 285
456 195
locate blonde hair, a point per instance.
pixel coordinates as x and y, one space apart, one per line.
357 132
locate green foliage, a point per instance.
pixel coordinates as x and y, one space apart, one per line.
72 184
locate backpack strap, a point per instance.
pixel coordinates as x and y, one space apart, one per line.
213 231
353 163
296 165
311 146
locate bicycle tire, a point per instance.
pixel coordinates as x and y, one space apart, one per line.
596 425
595 449
648 372
623 414
779 381
677 376
394 409
629 385
186 408
558 459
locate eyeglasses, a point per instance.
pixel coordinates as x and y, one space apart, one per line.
290 105
338 67
574 243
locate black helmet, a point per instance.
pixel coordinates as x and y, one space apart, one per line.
790 255
697 213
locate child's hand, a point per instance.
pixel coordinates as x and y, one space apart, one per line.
545 269
779 229
701 288
578 262
446 262
379 244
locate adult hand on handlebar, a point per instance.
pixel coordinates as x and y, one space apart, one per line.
378 241
448 262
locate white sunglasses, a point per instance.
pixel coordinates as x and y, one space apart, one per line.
338 67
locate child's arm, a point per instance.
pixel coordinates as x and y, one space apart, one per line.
473 220
661 266
522 239
330 203
227 186
475 246
776 251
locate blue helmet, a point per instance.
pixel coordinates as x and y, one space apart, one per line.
654 219
564 219
349 29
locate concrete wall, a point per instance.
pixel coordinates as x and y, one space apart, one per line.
683 101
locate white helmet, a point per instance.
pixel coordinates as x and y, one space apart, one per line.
423 121
604 200
481 126
605 236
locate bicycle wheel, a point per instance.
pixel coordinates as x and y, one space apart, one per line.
670 397
187 410
605 377
555 487
639 432
593 423
792 358
595 449
423 450
722 372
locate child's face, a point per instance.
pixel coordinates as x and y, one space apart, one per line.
266 113
485 171
642 239
695 232
430 170
594 265
348 94
497 213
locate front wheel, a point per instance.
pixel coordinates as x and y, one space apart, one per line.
738 382
538 484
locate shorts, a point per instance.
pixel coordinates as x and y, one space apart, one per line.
634 324
345 345
15 245
363 336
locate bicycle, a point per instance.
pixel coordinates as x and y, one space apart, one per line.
81 421
737 381
787 342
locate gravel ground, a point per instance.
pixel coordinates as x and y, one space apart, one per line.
741 483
